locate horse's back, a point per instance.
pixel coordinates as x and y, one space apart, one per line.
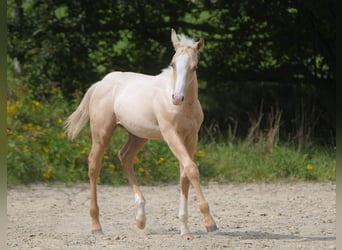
119 76
117 83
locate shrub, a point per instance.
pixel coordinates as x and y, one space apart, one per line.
39 151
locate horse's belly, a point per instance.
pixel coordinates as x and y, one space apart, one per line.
139 123
141 130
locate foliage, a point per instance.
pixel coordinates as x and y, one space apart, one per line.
282 52
39 151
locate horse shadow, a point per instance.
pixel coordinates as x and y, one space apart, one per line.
248 235
253 235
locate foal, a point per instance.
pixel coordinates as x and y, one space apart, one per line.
164 106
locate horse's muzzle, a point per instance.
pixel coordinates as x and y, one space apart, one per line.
177 99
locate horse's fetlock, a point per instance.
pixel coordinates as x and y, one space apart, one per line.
94 212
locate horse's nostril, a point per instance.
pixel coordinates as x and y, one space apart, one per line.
173 96
182 98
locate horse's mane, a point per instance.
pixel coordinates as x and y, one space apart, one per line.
185 40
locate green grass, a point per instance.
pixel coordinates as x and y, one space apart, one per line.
38 151
242 162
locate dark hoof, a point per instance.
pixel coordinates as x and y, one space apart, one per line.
212 228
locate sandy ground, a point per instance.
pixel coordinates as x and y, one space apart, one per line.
249 216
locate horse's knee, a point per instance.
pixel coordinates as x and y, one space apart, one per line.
191 171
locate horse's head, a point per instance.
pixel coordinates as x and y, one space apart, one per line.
184 64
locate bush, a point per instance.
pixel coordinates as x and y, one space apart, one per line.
39 151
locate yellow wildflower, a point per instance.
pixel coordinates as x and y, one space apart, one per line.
161 160
25 149
309 167
112 166
45 149
47 173
20 136
105 155
63 135
141 170
59 121
85 151
200 154
11 109
36 104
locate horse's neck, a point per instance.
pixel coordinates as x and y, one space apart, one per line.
192 91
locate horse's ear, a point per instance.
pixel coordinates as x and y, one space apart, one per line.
199 44
174 39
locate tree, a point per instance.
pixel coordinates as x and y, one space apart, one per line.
273 51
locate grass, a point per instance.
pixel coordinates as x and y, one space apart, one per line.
38 151
242 162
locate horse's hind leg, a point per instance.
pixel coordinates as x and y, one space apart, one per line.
102 127
126 156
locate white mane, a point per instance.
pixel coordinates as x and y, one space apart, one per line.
186 41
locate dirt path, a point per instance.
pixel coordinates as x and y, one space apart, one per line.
249 216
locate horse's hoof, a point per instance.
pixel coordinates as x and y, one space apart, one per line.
186 236
97 231
212 228
140 224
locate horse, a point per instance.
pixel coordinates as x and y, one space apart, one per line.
164 106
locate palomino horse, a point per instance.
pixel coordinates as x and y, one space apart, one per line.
164 106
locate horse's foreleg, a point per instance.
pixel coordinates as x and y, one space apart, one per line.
192 173
183 205
183 154
126 156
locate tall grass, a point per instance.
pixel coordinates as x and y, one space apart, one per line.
244 162
38 150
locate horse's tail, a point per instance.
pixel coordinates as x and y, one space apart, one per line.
77 120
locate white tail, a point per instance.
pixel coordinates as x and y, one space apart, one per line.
77 120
